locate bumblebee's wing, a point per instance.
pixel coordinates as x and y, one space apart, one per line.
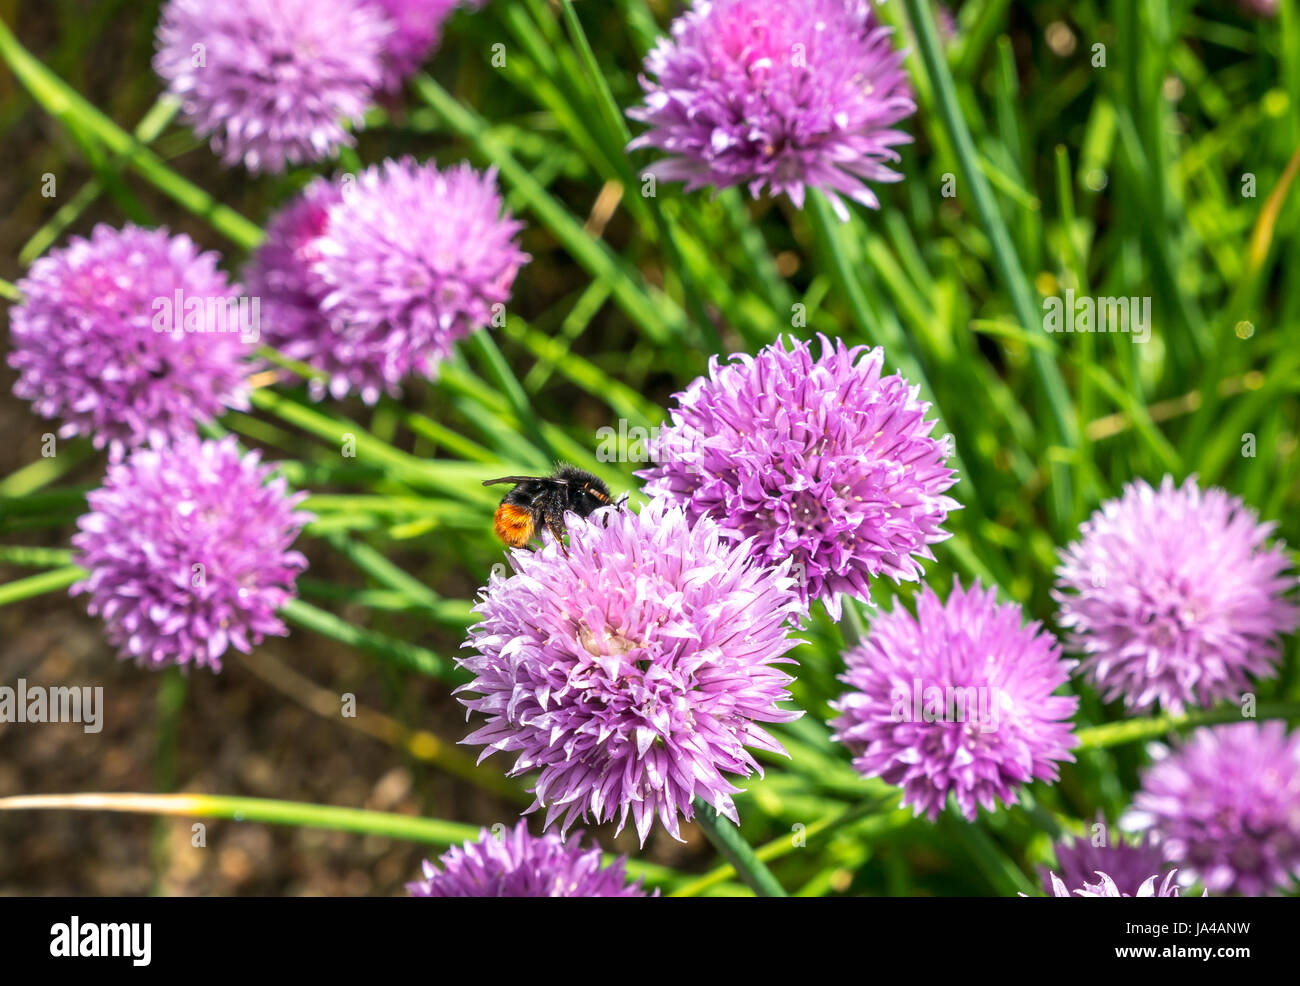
517 479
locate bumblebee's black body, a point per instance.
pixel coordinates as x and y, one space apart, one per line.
541 501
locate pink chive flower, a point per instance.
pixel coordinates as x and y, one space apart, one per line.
1103 886
374 279
777 96
516 864
1127 863
1154 624
272 82
817 458
1224 806
188 548
417 30
632 670
956 700
100 341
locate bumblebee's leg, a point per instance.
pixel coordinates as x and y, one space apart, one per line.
556 527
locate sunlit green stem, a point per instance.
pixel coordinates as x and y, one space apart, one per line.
726 838
39 585
1132 730
1005 258
433 831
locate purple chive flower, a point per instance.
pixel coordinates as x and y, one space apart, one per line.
1258 8
945 25
777 95
378 277
1128 864
634 669
956 700
188 549
417 29
100 342
1225 807
272 81
819 459
1103 886
282 276
1153 623
517 864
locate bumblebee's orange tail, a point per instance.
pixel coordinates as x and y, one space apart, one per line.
514 525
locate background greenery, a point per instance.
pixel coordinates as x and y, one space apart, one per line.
1126 178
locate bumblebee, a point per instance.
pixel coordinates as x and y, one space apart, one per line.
541 501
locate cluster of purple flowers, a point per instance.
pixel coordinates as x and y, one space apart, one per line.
635 669
367 279
613 689
1221 808
132 337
